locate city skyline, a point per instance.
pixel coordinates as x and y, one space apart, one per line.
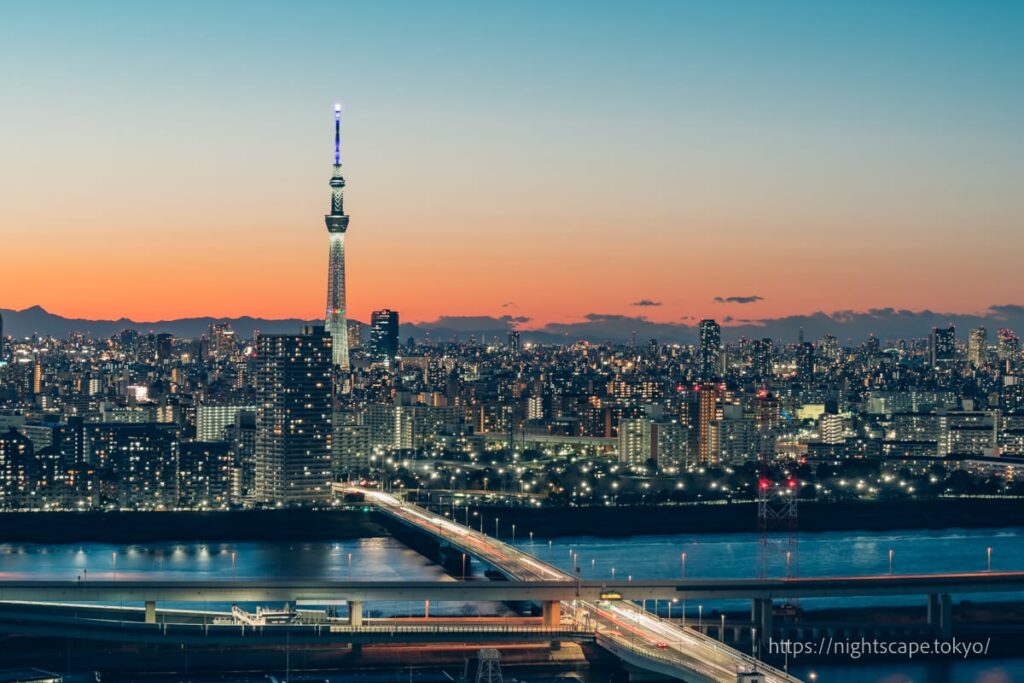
640 178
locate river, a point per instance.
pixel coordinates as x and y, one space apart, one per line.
709 555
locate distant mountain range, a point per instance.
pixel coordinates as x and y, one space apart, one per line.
37 320
848 326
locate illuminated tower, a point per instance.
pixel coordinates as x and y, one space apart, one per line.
337 223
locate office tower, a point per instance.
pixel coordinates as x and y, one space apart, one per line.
384 333
977 347
513 341
293 430
942 346
710 349
336 321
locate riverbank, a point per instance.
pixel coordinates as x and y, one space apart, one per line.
967 513
313 525
141 527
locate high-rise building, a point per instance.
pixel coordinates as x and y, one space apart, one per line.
1008 345
805 361
709 412
336 321
223 342
513 341
942 346
384 333
762 358
977 347
293 428
829 347
709 351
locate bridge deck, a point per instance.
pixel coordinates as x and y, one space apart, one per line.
653 643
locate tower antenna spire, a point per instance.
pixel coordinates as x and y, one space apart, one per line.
337 135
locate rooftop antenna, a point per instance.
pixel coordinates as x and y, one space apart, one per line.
337 135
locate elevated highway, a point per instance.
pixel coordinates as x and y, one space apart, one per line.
621 626
129 589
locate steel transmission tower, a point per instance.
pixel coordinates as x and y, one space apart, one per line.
337 223
488 669
777 541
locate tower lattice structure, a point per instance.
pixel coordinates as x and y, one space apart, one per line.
336 321
777 540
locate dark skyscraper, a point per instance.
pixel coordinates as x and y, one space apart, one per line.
513 341
762 359
943 346
384 333
710 349
805 361
293 428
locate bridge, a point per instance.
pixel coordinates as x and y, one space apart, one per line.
622 627
313 590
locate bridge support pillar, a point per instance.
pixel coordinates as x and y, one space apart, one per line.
552 611
945 615
150 611
761 617
933 611
355 613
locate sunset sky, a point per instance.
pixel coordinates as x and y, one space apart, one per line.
537 159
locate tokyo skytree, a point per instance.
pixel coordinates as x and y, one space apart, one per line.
337 223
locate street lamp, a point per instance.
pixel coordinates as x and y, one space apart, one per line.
613 573
232 564
496 520
683 558
463 566
890 560
113 559
513 534
721 631
988 552
700 617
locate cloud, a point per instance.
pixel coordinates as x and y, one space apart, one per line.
509 304
753 298
516 318
645 302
